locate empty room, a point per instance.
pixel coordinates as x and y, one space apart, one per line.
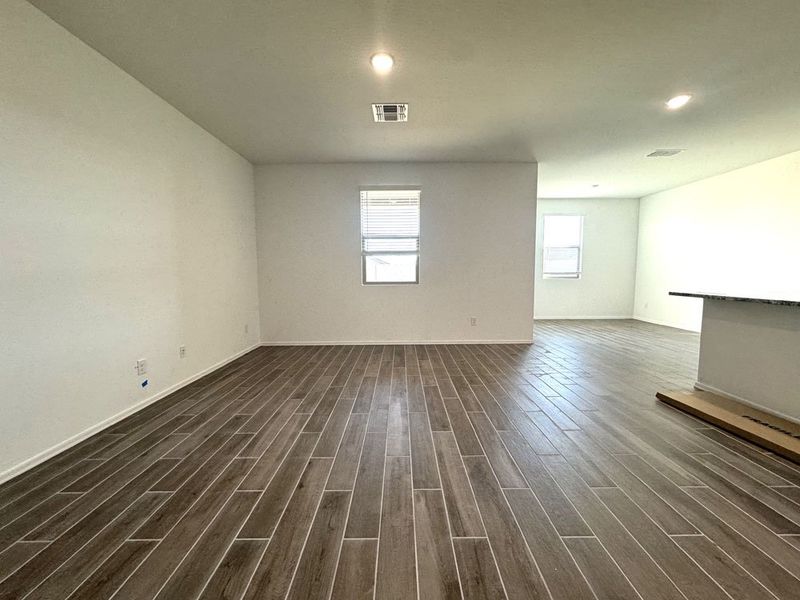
369 299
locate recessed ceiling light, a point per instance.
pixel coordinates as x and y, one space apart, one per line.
382 62
678 101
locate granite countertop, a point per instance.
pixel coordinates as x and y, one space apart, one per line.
737 298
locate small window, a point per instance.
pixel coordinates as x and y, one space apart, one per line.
562 246
390 236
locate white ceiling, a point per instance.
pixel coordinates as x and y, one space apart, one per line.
577 85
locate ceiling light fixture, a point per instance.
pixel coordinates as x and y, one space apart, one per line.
678 101
382 62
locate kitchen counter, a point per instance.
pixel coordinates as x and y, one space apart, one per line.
750 351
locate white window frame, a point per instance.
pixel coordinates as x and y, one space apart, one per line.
579 247
365 253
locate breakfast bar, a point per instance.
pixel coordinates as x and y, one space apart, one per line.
748 374
750 351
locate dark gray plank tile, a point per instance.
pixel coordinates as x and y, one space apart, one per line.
646 576
267 463
315 571
196 569
600 570
436 565
17 555
345 465
590 386
163 519
274 428
579 459
365 509
779 467
416 395
423 456
152 445
435 408
735 533
19 527
224 438
274 572
334 429
518 572
366 391
147 580
83 563
503 465
756 533
468 443
115 570
465 520
532 435
563 578
656 508
355 573
775 501
232 575
489 405
262 521
685 574
563 515
396 571
30 575
725 571
46 471
477 570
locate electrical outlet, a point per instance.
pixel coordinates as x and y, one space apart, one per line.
473 321
182 351
141 366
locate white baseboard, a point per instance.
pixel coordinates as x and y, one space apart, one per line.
582 318
75 439
391 342
704 387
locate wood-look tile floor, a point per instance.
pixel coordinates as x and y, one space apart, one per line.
543 471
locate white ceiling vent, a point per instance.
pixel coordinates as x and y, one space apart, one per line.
665 152
390 113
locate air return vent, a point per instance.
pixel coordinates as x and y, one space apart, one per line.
661 152
390 113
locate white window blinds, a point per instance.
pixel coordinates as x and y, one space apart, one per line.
390 235
390 221
562 246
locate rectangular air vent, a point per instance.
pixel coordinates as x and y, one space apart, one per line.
390 113
664 152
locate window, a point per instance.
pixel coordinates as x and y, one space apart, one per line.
562 246
390 236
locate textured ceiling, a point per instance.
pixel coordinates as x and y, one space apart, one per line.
577 85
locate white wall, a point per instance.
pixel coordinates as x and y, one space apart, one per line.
735 234
125 231
606 286
477 243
